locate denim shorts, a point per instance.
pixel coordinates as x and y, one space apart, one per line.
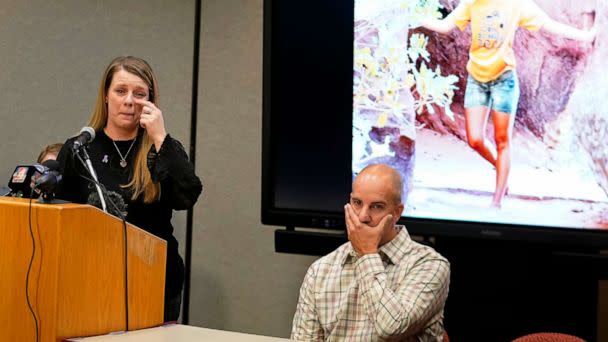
501 94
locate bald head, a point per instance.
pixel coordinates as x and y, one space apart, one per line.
385 175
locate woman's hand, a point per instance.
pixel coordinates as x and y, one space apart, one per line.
151 119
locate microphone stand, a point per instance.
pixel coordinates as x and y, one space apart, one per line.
98 185
89 167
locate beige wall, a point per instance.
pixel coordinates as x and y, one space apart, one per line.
53 54
238 282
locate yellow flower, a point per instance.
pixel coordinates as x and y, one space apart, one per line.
382 120
409 80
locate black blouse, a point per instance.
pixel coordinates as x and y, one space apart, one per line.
179 189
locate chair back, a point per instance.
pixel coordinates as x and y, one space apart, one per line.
548 337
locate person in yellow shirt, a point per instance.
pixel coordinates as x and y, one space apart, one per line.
492 84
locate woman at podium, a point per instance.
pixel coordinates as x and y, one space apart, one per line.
137 161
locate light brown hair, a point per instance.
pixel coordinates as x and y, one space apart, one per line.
49 149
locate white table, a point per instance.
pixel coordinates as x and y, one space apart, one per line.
178 333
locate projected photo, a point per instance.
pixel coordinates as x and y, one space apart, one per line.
493 111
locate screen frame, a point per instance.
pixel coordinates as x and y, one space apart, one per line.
570 238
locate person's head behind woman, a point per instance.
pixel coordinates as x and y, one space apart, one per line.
141 182
49 152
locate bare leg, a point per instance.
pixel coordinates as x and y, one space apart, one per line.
503 130
476 120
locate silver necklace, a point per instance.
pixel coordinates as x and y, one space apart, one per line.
123 161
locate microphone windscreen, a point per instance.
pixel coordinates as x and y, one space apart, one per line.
89 130
51 164
86 135
114 197
50 178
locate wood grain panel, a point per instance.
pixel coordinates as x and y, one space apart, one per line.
77 278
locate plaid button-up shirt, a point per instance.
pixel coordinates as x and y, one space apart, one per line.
397 294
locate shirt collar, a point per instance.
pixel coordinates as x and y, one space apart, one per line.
393 250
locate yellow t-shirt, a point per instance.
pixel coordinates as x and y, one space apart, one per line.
493 26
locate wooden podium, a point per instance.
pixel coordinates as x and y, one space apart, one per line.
76 282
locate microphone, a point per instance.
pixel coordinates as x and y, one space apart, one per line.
87 134
48 181
113 197
22 182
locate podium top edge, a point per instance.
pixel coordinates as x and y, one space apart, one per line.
26 202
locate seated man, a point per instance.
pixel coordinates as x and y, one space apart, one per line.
380 284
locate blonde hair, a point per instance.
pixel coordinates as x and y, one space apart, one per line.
141 182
